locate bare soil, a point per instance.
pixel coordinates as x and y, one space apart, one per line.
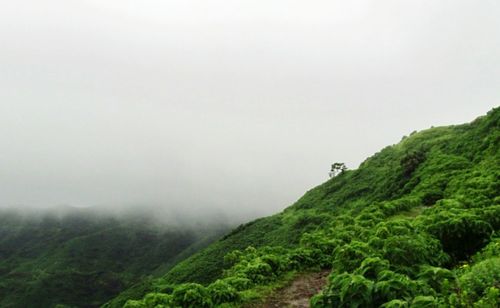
298 293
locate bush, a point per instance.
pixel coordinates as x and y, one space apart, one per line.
393 227
278 263
491 250
424 302
257 271
490 300
393 207
492 216
346 290
191 295
391 285
348 258
430 197
300 258
371 267
435 276
151 300
369 219
303 258
480 278
240 283
408 252
460 231
319 240
395 303
155 299
222 292
134 304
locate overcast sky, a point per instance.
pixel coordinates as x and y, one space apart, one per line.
236 105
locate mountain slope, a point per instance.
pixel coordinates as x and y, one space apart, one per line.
408 218
83 260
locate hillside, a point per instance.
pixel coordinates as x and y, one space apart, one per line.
416 225
80 259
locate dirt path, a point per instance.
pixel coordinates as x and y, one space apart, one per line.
298 293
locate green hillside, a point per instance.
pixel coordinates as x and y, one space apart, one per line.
82 260
416 225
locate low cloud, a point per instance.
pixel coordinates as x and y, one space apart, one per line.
228 109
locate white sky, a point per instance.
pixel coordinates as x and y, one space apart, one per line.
236 105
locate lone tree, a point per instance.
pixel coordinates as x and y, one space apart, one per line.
337 168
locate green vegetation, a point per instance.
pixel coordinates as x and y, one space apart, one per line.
82 260
416 225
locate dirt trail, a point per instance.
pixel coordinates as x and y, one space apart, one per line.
298 293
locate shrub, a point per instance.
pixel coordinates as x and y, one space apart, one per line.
480 278
303 258
191 295
460 231
408 252
424 302
490 300
240 283
346 290
371 267
390 208
222 292
491 250
134 304
376 243
278 263
391 285
410 162
492 216
435 276
257 271
155 299
300 258
393 227
348 257
431 196
395 303
369 219
319 240
151 300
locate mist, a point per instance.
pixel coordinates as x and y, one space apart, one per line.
225 108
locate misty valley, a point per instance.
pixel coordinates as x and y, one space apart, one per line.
80 258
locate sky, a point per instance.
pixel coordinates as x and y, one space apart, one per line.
231 106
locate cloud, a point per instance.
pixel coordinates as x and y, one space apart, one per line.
238 106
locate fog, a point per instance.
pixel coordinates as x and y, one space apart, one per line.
230 107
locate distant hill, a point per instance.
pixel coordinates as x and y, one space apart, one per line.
75 258
416 225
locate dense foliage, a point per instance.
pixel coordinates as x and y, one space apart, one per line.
83 260
416 225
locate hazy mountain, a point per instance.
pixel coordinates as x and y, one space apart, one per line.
81 258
